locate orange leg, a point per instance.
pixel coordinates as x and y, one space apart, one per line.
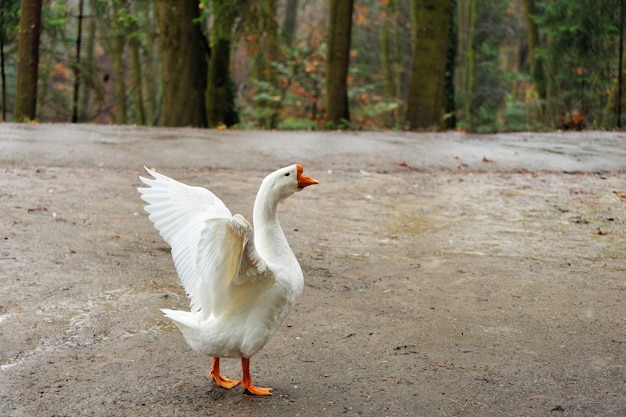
222 381
246 380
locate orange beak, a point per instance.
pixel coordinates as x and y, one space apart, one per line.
304 180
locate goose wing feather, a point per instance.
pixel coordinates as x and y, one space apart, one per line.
212 249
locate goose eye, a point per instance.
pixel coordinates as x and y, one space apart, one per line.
287 174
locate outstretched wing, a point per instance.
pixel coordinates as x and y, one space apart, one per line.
210 247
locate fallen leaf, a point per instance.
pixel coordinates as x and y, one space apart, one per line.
32 210
443 365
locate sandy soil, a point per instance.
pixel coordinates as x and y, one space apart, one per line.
446 274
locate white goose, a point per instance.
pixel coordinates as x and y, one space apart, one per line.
241 284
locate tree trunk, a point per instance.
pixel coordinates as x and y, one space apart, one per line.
77 70
118 75
620 68
471 64
615 106
451 53
386 58
28 61
401 49
430 21
88 78
183 63
551 108
136 76
537 69
152 84
264 70
3 77
290 22
463 20
119 82
220 96
337 62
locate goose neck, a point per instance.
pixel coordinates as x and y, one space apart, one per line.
270 240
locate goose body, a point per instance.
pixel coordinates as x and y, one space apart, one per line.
242 282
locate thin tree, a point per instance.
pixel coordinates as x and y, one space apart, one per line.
111 23
220 96
337 62
90 81
77 69
3 23
537 65
117 45
134 44
471 64
267 89
386 48
449 88
8 12
28 61
620 69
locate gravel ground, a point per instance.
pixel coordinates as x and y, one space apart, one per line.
445 274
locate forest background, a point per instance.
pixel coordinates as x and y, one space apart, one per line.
474 65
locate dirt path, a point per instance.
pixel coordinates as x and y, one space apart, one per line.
446 274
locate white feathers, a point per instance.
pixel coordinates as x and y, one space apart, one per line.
242 283
210 247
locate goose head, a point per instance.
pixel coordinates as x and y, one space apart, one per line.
284 182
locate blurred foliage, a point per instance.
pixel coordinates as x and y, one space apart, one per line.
9 28
581 50
579 46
